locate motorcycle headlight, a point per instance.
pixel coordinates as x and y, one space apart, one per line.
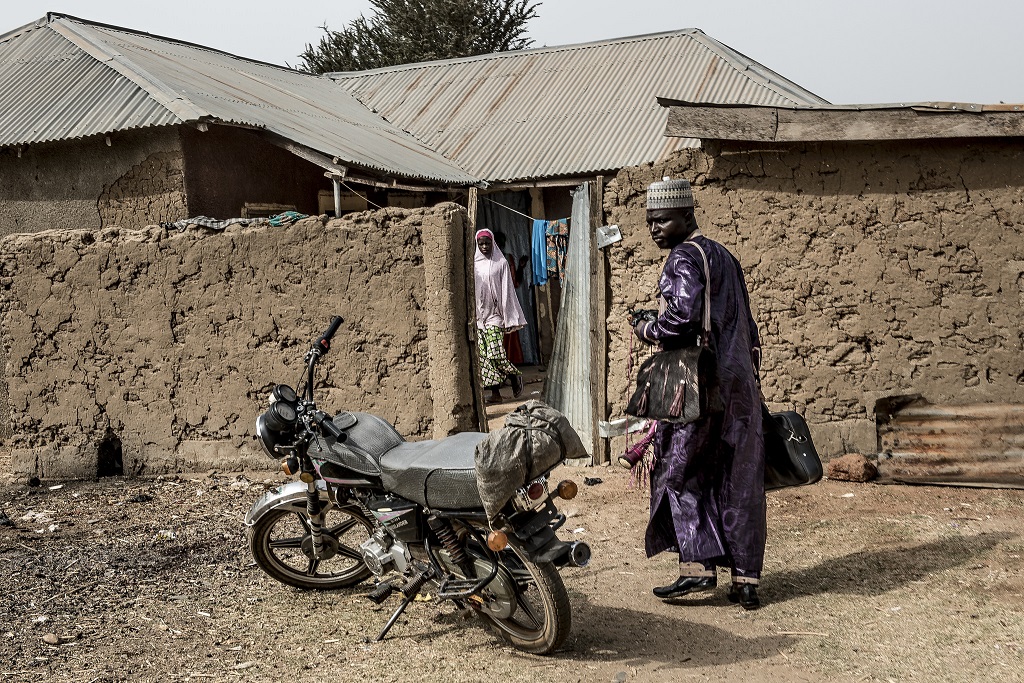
275 426
268 440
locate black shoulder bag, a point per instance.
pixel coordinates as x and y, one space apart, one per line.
676 385
790 458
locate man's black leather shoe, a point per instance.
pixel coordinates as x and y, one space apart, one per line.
745 594
684 585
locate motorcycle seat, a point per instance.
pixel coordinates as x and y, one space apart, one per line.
435 474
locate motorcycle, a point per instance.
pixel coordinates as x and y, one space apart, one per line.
368 503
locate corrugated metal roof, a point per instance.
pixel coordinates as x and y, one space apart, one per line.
965 445
66 78
565 111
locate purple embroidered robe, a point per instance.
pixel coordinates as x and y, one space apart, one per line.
707 487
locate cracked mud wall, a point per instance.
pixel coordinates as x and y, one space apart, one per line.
875 270
85 184
173 341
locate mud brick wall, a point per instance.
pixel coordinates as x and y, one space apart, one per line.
170 342
136 181
875 270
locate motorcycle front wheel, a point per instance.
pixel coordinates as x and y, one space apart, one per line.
282 546
541 616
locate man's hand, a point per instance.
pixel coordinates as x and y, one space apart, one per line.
639 315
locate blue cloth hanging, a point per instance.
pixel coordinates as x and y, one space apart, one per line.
539 252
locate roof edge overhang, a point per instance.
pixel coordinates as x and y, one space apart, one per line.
548 181
92 136
336 167
841 123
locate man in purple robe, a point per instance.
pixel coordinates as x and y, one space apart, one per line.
707 485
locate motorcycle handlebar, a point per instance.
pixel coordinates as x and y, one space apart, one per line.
323 344
327 424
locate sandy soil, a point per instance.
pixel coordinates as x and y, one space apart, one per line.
150 580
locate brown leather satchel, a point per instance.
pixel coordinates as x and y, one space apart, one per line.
676 385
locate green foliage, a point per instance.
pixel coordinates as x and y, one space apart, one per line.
407 31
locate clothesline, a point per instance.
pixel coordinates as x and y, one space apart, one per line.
509 208
366 199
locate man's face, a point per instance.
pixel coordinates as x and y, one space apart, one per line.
484 244
668 226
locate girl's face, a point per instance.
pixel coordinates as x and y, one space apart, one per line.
485 245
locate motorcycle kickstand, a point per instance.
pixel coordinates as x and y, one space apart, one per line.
409 591
394 618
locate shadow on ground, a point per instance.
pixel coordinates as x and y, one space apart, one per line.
873 572
636 638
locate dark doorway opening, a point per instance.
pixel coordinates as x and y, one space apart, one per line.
108 456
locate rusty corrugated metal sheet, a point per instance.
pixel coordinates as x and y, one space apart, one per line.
66 78
974 444
568 384
565 111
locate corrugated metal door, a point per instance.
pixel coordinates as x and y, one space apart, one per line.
568 387
979 445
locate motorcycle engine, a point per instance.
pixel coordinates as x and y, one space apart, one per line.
381 553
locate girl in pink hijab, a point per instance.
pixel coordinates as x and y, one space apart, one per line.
497 313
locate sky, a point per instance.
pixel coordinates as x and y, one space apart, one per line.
863 52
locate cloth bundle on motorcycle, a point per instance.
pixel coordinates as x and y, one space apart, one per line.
535 438
790 458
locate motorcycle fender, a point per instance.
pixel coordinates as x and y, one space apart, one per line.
292 493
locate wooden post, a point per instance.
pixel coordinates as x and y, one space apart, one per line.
598 323
478 390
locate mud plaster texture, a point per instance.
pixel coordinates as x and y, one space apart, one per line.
172 342
875 270
136 181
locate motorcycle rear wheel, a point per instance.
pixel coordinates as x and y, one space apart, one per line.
282 547
542 617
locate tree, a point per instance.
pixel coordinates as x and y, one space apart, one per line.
407 31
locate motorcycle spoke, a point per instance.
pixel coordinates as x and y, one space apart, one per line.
295 542
303 521
350 553
528 609
313 566
343 528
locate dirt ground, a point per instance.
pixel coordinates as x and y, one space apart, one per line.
151 580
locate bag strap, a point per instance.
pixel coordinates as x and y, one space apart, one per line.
706 319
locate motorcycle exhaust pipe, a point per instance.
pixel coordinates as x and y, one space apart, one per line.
579 554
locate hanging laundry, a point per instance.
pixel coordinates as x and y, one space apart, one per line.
539 252
557 247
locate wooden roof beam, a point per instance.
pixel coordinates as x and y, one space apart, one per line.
775 124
